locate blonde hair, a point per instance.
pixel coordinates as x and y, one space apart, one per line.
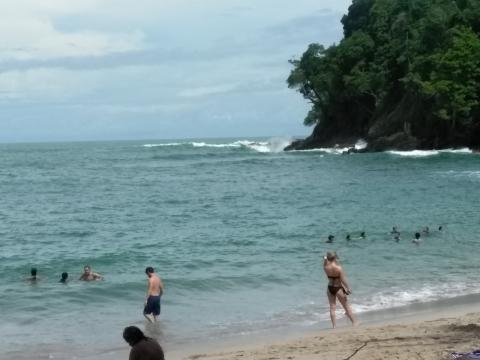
331 255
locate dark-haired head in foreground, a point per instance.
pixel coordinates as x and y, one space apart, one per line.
143 348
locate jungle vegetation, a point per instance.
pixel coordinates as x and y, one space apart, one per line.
405 75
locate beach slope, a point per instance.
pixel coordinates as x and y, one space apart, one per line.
408 340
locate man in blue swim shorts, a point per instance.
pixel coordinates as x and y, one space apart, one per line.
154 292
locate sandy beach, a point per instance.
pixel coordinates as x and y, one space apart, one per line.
407 339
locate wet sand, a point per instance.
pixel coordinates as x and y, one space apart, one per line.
408 339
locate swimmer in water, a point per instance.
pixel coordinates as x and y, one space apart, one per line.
417 239
89 275
395 231
348 238
64 278
362 235
33 275
330 239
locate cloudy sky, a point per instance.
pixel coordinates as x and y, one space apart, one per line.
155 69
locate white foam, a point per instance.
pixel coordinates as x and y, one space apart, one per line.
166 144
396 298
457 151
360 144
273 145
422 153
207 145
414 153
331 151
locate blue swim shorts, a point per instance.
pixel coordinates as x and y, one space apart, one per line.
153 305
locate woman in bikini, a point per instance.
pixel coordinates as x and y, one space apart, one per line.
337 286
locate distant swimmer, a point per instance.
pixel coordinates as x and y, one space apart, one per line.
426 230
33 275
89 275
397 237
143 348
154 293
348 238
395 231
337 286
417 239
64 278
330 239
440 228
362 235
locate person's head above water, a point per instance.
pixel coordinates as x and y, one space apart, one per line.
440 228
64 277
362 234
33 272
417 235
348 237
331 256
331 237
133 335
87 269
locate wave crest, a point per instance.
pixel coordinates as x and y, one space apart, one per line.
274 145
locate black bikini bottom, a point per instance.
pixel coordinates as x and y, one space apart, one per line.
334 289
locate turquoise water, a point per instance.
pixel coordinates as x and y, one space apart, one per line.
236 230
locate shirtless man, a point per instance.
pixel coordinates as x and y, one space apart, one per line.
337 286
89 275
154 292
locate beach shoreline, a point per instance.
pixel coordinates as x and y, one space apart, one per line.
428 331
451 324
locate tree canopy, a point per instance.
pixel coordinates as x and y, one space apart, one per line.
403 66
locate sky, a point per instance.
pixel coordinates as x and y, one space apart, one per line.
74 70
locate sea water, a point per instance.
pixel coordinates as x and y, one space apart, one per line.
236 228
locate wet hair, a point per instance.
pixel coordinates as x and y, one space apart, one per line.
87 267
149 270
417 235
331 237
362 234
64 276
440 228
348 237
33 271
133 335
331 256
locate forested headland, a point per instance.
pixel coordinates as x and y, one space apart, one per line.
406 75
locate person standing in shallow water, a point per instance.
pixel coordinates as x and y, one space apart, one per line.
154 293
337 287
143 348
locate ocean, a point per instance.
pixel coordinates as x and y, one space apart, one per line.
237 230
